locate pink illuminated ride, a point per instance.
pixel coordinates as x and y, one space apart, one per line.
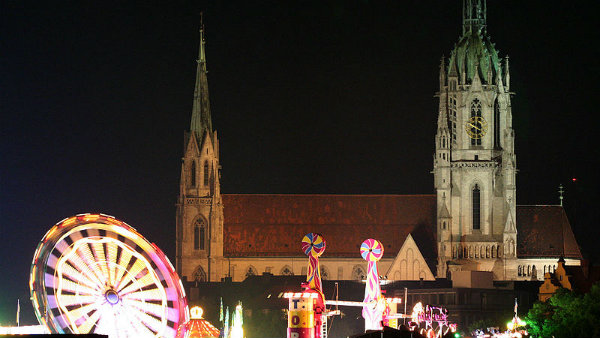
92 273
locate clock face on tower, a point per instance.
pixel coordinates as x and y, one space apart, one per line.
476 127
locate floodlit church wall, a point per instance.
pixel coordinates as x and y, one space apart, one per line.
331 269
534 268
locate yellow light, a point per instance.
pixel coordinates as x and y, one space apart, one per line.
196 312
68 222
89 218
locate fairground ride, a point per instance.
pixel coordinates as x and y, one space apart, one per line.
92 273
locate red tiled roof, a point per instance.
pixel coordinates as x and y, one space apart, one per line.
264 225
273 225
544 231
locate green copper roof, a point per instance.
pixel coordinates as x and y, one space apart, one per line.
201 119
474 51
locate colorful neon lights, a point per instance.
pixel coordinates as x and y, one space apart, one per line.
96 274
429 315
371 250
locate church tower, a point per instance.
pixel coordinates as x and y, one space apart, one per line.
474 161
199 216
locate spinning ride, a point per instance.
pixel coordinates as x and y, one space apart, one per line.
92 273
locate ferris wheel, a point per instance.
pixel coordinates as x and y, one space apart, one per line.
92 273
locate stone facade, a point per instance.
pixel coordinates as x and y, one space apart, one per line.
472 223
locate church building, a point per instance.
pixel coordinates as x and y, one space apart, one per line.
471 223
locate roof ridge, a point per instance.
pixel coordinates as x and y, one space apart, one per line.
365 195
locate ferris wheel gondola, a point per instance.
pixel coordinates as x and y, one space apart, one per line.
92 273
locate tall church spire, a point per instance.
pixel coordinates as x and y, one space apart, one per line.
201 120
474 15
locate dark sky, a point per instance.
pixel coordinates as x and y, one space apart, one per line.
307 97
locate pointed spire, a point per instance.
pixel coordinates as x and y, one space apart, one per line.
442 73
506 74
201 120
474 15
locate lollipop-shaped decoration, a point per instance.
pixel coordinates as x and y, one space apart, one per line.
371 250
313 246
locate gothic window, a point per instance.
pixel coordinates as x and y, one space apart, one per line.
496 125
358 273
475 112
193 173
199 233
251 271
205 173
199 275
476 207
286 271
324 272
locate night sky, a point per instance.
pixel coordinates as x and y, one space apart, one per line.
307 97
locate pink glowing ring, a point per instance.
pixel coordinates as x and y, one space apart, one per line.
313 244
371 250
95 274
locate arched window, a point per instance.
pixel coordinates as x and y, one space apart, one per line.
358 273
476 113
251 271
199 275
520 269
496 125
205 173
324 272
476 194
493 251
286 271
193 173
199 233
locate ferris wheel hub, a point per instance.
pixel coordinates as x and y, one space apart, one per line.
112 297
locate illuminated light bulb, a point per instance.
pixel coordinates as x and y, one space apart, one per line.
196 312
